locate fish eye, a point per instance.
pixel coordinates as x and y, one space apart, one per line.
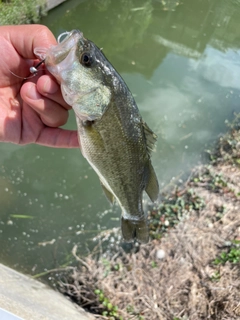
86 59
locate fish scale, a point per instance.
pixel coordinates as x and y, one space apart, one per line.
112 159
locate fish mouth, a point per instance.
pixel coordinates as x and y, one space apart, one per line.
59 57
56 54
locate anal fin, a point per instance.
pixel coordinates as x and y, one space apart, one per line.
152 187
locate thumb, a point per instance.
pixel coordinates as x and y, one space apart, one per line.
24 38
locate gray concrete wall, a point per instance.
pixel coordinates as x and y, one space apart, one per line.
53 3
32 300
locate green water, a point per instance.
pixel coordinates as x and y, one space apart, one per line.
181 61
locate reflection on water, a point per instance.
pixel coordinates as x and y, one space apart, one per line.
181 61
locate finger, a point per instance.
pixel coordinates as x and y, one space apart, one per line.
52 114
48 87
25 38
58 138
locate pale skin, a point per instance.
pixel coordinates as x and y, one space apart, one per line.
32 110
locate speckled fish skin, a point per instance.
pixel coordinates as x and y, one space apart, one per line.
113 137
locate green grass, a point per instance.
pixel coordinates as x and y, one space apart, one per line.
21 12
232 255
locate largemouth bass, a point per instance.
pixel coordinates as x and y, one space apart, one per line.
113 136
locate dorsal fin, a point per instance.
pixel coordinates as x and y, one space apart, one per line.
151 138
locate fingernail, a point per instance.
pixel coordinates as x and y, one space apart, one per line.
50 87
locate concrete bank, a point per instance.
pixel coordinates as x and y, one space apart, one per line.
32 300
53 3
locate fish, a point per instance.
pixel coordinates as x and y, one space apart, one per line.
113 137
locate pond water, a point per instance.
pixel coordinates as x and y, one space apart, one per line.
181 61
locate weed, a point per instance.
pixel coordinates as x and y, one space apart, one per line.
107 266
232 255
130 309
154 264
216 276
172 210
212 181
109 310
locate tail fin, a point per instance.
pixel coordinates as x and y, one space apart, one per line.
132 229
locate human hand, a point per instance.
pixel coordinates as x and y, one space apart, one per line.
32 110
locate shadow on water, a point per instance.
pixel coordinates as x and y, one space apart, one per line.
181 61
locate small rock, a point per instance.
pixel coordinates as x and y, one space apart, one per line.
160 254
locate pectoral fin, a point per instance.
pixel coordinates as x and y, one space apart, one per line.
152 187
108 193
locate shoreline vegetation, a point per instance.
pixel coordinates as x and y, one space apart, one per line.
21 12
191 267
